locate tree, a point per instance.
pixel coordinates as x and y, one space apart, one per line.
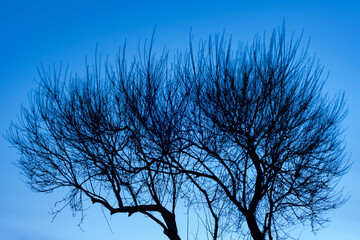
265 134
248 135
101 137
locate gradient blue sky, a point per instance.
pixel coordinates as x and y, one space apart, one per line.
35 32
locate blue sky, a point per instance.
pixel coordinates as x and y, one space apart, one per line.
47 32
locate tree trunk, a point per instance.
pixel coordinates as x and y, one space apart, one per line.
254 228
171 231
172 235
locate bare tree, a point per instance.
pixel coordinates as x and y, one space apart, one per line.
247 136
265 134
103 137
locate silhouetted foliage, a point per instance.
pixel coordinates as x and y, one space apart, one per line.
247 134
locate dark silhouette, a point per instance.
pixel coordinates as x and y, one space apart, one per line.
264 134
102 137
248 134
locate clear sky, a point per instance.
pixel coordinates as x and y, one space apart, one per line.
47 32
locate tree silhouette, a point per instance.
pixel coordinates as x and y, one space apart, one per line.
248 134
265 134
102 138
